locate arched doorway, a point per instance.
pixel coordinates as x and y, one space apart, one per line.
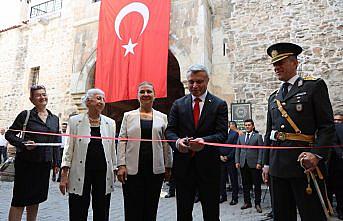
175 90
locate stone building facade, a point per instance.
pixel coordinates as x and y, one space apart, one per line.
228 36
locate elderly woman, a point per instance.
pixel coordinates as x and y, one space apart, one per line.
143 165
33 161
88 164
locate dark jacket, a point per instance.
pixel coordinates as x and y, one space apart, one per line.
212 127
339 141
40 153
308 104
250 156
229 152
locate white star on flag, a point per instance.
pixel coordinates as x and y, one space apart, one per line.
129 47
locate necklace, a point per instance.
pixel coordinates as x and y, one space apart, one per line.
146 115
94 122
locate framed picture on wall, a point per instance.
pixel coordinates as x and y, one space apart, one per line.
240 112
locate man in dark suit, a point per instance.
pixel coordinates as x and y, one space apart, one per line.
227 166
299 115
194 119
250 163
335 181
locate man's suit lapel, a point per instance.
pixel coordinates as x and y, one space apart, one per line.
279 95
252 136
205 109
189 109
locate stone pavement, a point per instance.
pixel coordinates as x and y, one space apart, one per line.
56 207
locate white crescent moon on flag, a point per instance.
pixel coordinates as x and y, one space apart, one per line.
132 7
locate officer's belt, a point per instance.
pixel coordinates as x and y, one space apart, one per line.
298 136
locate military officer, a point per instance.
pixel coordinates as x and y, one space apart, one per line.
299 115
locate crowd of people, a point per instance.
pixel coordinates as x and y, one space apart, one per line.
300 129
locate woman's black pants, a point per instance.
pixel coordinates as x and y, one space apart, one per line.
95 184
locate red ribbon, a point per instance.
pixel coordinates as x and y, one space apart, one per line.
165 140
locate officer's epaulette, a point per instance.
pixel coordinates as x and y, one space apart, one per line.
309 78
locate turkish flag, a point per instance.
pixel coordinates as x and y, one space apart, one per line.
132 47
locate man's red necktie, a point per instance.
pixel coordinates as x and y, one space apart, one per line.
196 114
196 111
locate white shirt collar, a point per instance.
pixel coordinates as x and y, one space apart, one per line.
292 80
202 97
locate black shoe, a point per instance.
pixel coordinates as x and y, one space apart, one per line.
233 202
169 195
53 179
246 206
196 199
222 199
258 208
270 214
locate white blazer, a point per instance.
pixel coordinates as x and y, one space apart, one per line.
75 151
128 151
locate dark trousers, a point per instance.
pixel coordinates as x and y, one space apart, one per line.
3 153
202 177
141 196
288 194
250 177
335 180
229 168
95 184
172 185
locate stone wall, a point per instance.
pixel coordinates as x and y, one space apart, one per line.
249 27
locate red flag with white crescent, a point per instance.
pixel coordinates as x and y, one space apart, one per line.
132 47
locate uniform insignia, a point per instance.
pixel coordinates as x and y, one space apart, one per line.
299 107
300 83
310 78
274 53
301 94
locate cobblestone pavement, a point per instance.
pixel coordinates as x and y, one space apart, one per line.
56 207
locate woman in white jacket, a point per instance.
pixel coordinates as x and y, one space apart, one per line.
143 164
88 163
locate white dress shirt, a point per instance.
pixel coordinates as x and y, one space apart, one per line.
246 136
291 82
201 103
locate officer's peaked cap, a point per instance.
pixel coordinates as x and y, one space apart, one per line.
283 50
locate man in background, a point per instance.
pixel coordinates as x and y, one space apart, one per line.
249 161
227 158
3 146
335 181
64 140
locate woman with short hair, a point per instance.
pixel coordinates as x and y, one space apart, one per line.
88 164
33 161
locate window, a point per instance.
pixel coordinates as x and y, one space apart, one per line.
46 7
34 76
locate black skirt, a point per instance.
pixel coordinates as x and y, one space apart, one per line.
31 182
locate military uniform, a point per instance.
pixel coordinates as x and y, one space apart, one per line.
307 104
